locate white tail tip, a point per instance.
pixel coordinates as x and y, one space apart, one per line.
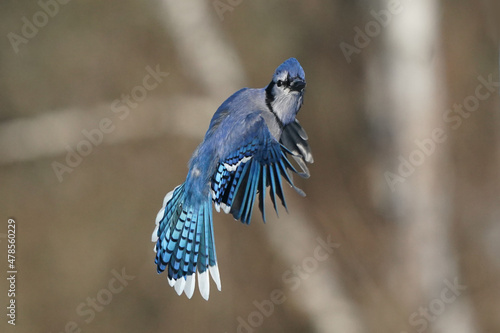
188 284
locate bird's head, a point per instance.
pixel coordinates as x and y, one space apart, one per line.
285 93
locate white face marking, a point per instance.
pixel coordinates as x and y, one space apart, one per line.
287 90
286 103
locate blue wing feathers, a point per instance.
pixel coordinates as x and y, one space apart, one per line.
255 166
255 176
262 192
272 187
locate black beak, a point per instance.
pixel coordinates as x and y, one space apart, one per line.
297 85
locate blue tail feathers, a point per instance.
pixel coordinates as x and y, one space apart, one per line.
185 243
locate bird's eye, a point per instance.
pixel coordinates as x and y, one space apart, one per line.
279 83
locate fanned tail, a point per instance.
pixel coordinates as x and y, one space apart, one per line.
185 243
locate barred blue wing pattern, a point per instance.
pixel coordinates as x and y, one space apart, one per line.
249 171
227 172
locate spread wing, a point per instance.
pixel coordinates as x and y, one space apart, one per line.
260 162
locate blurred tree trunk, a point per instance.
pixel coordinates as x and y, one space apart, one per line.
322 296
408 100
207 57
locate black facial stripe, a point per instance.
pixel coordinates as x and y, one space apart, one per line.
269 95
269 100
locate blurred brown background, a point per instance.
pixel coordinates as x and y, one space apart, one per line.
402 122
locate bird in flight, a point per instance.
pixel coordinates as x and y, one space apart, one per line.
246 149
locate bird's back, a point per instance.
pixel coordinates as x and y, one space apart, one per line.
233 122
235 119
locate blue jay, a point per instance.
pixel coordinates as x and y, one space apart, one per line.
244 152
